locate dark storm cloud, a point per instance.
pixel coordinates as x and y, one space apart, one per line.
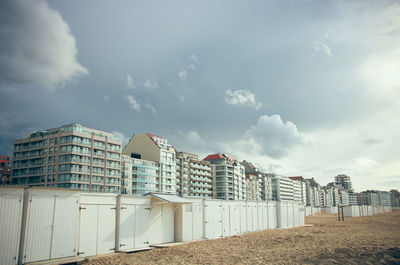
36 46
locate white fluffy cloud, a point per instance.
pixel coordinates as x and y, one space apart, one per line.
150 107
133 103
322 46
150 83
121 136
182 74
129 82
192 142
242 98
37 47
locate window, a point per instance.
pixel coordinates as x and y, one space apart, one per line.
135 155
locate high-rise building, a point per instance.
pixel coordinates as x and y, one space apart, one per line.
5 170
155 148
282 188
229 177
299 189
139 176
254 182
344 181
193 176
265 187
395 198
70 156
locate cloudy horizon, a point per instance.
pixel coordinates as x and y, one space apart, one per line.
299 88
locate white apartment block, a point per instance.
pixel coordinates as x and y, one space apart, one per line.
194 177
282 188
265 187
155 148
251 187
139 176
229 176
71 156
297 190
344 197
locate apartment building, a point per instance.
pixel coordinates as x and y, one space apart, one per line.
282 188
193 176
344 197
299 189
265 187
253 182
229 177
71 156
157 149
139 176
5 170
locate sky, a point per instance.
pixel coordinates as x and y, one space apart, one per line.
298 87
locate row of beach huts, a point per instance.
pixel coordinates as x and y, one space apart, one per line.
39 224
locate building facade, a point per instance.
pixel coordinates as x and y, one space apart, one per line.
282 188
139 176
155 148
229 177
193 176
70 156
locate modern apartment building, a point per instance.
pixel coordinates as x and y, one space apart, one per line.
344 197
265 187
344 181
229 177
193 176
253 182
138 176
282 188
155 148
5 170
70 156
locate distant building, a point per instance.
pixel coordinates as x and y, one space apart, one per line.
254 182
229 177
155 148
138 176
71 156
395 198
265 187
282 188
299 189
5 170
344 197
313 193
193 176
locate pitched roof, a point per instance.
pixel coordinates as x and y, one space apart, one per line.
297 178
219 156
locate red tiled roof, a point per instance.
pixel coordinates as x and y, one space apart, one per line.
297 178
4 159
218 156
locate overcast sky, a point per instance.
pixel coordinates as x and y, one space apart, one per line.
308 88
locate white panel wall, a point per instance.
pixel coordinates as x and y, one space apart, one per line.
213 219
290 211
133 216
226 229
189 221
234 218
11 201
272 215
282 214
243 217
161 228
51 225
97 224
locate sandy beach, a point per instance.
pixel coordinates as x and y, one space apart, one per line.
358 240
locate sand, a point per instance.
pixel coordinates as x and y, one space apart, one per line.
358 240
